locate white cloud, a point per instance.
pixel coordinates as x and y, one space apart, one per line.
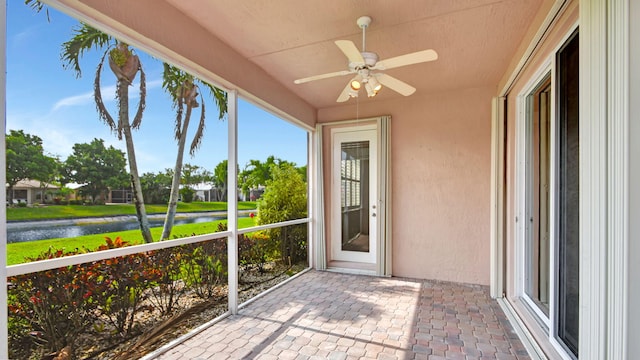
76 100
108 95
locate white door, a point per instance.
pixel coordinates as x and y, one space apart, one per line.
354 191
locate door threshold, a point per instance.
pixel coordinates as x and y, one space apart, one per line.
351 267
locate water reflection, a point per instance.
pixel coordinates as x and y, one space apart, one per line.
51 231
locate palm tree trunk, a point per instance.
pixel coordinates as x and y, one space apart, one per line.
175 183
138 200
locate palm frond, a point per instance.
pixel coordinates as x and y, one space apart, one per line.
220 98
103 113
37 6
173 80
137 120
85 37
197 137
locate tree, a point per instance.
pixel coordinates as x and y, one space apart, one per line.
220 180
97 166
48 172
191 175
257 173
156 187
285 198
26 160
185 90
125 65
303 171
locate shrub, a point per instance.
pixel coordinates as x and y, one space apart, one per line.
47 310
285 198
187 194
204 266
255 250
51 307
166 288
122 283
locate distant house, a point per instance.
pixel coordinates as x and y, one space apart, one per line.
120 196
204 192
32 191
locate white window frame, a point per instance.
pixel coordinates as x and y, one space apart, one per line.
523 138
522 135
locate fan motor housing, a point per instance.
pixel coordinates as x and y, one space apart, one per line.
370 58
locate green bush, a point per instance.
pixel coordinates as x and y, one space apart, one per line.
51 307
285 198
165 289
187 194
122 282
48 309
204 266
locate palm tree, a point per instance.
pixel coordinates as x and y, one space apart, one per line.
125 65
185 90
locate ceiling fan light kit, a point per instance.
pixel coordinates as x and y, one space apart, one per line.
366 65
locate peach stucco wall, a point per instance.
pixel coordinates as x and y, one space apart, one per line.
440 155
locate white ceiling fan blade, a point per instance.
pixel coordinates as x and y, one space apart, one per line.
407 59
322 76
394 84
350 50
344 95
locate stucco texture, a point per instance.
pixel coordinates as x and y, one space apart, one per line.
440 165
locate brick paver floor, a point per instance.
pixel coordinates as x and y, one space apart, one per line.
325 315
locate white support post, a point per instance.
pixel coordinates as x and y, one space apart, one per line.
593 179
4 332
497 198
633 254
311 198
232 200
618 178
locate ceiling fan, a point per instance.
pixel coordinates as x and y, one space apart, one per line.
365 65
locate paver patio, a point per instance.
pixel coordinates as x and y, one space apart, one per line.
325 315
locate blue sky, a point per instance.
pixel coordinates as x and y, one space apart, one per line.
46 100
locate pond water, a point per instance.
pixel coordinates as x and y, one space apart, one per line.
49 231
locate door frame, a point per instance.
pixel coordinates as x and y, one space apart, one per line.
322 229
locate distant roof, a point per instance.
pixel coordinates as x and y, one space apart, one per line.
30 184
74 186
201 186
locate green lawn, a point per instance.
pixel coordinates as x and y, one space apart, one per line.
16 252
81 211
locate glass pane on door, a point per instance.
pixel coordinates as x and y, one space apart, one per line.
354 193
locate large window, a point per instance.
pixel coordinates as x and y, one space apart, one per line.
549 263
